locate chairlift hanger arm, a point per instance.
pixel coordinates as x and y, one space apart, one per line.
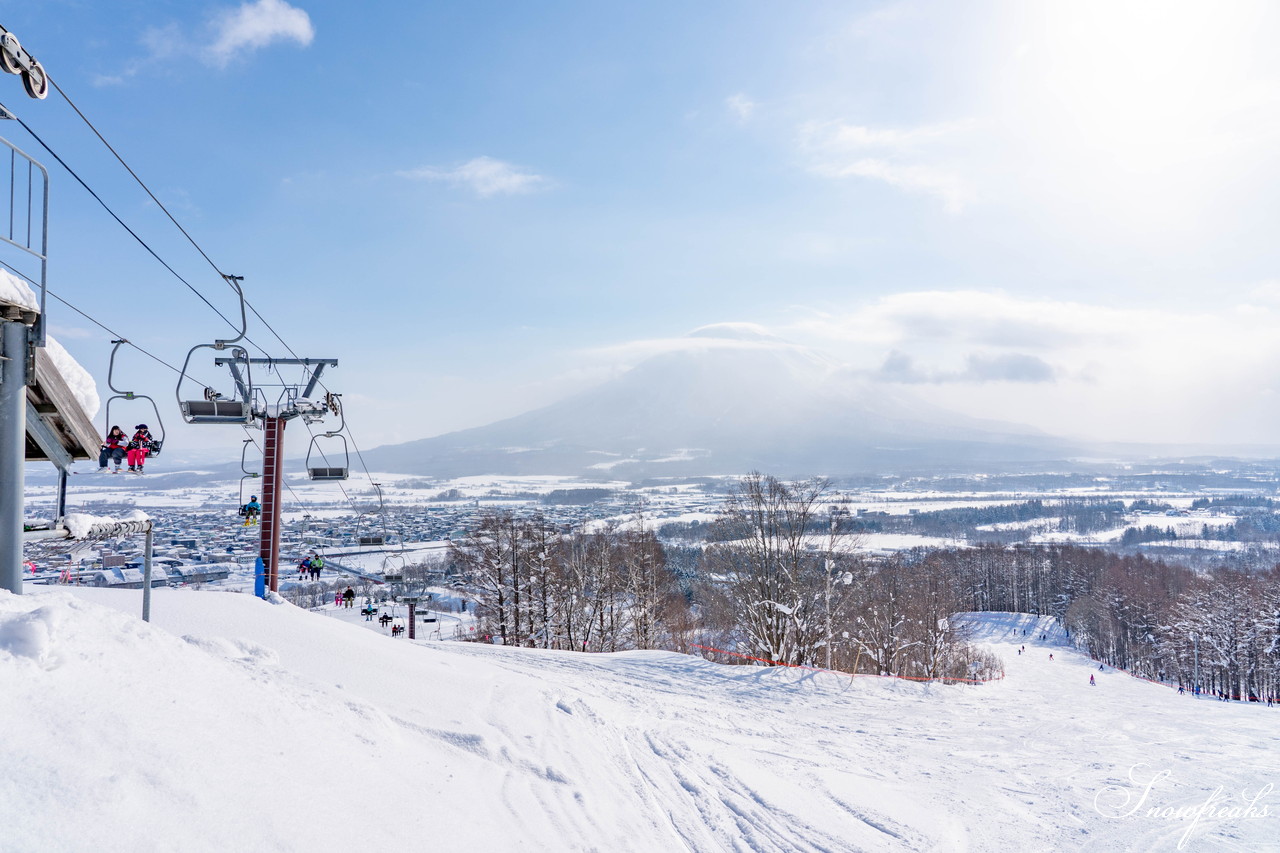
234 281
129 395
111 368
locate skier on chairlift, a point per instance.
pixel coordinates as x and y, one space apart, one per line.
113 449
251 511
140 445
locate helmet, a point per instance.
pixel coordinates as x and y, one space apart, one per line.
253 497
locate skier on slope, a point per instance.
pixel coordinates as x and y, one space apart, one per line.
1092 683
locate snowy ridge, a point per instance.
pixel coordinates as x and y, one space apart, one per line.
236 724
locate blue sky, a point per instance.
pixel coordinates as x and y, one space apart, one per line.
1057 214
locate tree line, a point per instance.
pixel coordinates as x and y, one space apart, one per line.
1216 630
775 582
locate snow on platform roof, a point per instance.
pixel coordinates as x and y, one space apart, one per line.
61 396
15 291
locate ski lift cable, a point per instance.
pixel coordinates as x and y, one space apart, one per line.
92 319
184 232
134 174
108 329
121 222
139 239
163 208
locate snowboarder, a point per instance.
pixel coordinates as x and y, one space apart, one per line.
251 511
1092 683
113 449
1050 656
139 446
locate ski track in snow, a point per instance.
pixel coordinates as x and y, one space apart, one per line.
230 723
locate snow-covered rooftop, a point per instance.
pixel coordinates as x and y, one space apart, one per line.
15 291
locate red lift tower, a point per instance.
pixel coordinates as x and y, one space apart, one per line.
294 401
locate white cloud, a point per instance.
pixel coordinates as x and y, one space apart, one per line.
1102 372
979 367
741 106
911 159
230 34
257 25
485 176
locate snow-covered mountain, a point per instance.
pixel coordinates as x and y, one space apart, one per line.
729 398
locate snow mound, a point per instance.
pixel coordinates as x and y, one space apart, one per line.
29 635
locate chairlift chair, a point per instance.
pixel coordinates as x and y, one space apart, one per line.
214 408
119 394
248 475
330 472
364 538
393 566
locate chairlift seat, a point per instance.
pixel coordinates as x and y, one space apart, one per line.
327 473
216 412
371 540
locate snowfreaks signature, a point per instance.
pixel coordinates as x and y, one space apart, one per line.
1117 802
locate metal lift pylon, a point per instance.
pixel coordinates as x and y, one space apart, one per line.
291 404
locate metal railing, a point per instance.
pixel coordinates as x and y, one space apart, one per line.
25 220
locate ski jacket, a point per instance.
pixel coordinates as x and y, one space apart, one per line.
142 440
115 441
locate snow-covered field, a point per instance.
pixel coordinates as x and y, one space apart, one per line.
231 723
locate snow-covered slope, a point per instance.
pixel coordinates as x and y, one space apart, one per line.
231 723
728 400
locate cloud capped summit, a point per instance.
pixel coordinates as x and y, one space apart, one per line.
724 399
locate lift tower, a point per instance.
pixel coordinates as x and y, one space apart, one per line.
294 401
